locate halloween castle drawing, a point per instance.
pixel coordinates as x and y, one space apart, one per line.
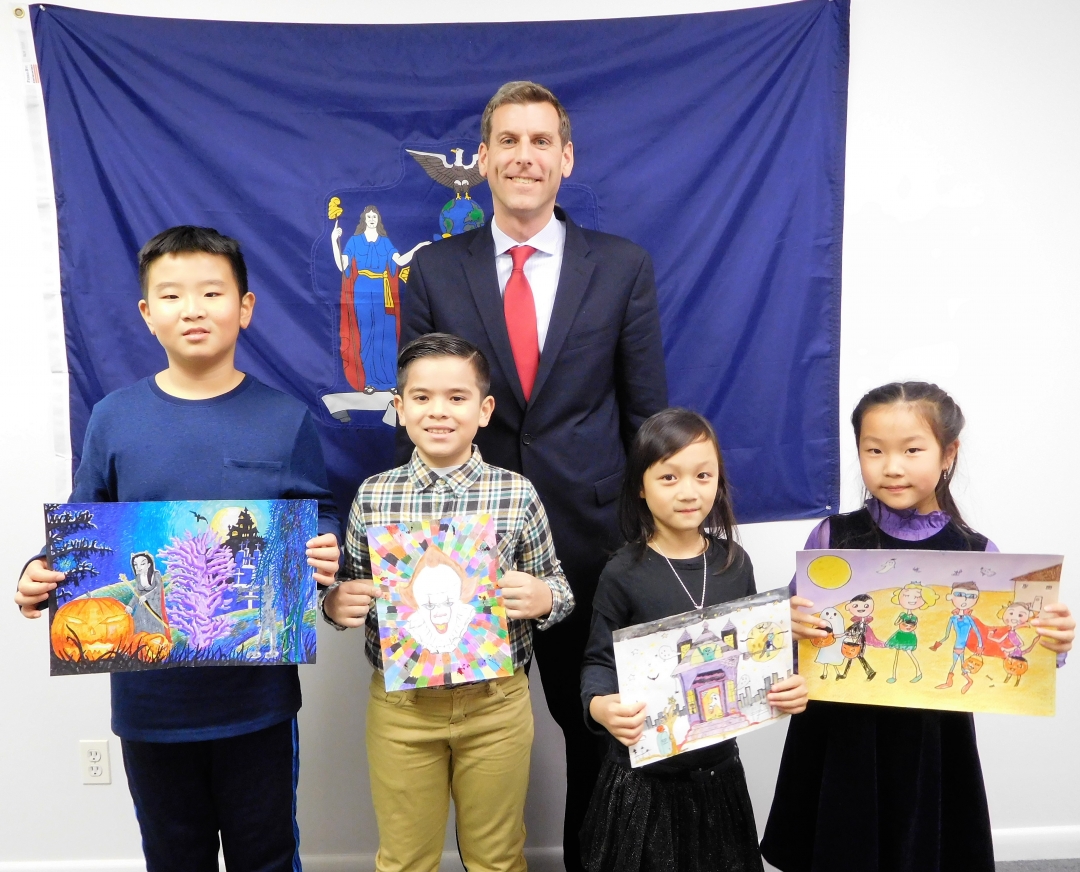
246 545
711 695
210 582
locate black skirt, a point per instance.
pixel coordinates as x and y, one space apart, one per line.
701 821
879 790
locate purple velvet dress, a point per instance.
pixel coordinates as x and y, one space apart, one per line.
889 789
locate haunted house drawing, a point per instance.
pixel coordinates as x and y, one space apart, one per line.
246 544
708 673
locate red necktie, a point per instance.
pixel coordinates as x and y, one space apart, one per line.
520 313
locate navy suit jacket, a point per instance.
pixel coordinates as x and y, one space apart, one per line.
601 375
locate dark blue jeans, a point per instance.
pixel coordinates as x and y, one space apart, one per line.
243 787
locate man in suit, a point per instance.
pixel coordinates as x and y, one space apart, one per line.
568 319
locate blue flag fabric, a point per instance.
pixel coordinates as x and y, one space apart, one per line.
715 140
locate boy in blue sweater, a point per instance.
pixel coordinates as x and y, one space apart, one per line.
214 749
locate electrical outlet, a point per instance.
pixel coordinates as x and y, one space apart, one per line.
94 761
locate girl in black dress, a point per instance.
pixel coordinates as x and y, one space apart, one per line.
895 789
690 812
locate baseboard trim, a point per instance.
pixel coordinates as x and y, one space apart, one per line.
1037 843
539 860
1013 843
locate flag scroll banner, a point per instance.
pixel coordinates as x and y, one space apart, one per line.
714 140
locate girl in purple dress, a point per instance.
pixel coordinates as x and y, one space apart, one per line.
904 785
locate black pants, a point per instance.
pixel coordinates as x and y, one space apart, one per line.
559 652
243 787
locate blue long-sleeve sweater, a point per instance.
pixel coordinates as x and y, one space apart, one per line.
252 443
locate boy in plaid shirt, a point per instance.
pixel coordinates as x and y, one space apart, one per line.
471 741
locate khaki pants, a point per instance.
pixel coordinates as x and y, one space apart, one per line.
473 742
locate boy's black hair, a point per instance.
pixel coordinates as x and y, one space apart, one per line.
861 598
444 345
188 239
664 434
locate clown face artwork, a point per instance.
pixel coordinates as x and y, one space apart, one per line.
443 621
440 593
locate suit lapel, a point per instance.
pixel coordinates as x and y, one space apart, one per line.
574 278
484 284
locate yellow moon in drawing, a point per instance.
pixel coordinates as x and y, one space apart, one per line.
764 641
829 572
224 519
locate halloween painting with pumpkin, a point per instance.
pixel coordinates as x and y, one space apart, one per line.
155 585
930 629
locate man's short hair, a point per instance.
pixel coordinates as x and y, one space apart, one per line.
521 94
188 239
444 345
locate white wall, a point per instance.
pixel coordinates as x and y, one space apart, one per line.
962 192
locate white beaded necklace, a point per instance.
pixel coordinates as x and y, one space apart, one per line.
704 575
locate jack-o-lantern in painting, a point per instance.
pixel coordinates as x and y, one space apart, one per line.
90 628
1015 666
150 647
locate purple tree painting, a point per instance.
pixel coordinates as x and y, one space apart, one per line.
199 568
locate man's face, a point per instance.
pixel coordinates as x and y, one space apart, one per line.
193 307
524 163
441 409
964 599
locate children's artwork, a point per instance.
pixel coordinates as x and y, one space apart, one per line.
930 629
206 583
444 622
703 675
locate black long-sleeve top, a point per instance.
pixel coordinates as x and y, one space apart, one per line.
633 591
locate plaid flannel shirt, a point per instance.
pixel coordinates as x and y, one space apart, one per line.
414 492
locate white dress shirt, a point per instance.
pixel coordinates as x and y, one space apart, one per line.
542 269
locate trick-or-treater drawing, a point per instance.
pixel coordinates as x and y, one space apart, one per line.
370 302
830 653
1014 615
440 592
147 607
859 634
964 595
911 597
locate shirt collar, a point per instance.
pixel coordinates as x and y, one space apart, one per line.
906 524
422 476
548 240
